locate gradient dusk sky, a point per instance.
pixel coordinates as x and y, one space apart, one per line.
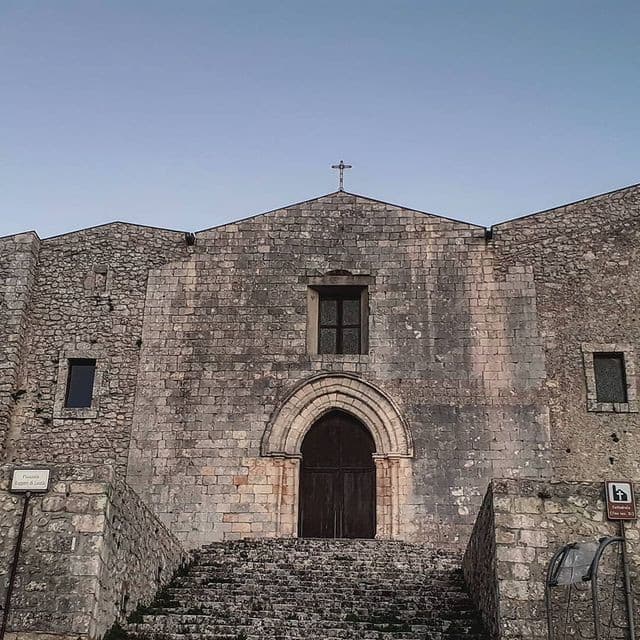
186 114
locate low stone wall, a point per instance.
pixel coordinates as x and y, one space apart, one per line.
479 566
91 552
521 525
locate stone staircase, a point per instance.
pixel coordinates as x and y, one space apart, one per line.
313 589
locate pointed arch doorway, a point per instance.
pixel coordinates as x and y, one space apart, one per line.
337 479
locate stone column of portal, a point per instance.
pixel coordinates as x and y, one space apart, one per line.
383 497
394 468
287 496
389 483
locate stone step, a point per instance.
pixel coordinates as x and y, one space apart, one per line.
204 622
417 616
344 549
263 632
274 627
313 589
265 602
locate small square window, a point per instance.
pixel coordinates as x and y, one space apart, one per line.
340 322
80 379
610 377
611 380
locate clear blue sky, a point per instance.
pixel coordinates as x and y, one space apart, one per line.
186 114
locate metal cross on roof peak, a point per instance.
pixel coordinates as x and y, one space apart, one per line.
342 166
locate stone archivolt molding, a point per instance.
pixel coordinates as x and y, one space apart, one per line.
307 403
326 392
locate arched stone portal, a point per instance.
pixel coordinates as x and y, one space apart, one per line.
306 404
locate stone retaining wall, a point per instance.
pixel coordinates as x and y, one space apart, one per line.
522 523
480 566
91 552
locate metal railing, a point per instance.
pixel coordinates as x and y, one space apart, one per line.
565 569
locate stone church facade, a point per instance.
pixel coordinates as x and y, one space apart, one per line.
465 353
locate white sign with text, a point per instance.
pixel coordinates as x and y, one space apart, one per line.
30 480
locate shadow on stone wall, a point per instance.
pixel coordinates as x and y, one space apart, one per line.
521 524
91 553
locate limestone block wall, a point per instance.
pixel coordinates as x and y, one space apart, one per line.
87 301
585 263
453 342
18 264
91 552
521 525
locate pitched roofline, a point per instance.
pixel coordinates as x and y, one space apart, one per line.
264 213
563 206
107 224
333 193
426 213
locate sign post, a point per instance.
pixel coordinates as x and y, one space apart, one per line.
621 506
26 482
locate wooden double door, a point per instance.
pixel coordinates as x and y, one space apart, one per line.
337 480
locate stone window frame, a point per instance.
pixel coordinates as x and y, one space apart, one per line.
314 286
61 412
628 354
91 277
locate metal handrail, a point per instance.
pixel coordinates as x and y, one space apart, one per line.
593 576
590 576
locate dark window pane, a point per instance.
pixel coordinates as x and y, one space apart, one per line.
328 342
328 311
80 383
351 341
611 383
340 314
351 312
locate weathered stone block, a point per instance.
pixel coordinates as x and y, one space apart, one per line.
88 523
